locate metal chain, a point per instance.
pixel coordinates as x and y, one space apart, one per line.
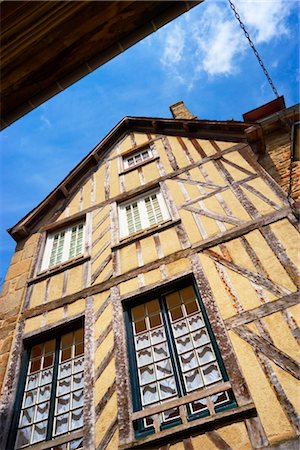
253 47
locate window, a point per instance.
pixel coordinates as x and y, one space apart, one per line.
136 158
63 245
172 354
51 396
142 212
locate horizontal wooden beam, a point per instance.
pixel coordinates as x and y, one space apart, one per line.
264 310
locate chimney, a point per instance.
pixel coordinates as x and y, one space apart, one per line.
180 111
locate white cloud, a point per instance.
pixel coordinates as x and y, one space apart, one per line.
208 40
45 121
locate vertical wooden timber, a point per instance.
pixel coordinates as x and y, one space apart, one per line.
88 407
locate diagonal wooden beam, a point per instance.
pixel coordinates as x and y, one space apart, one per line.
199 183
265 347
213 215
257 278
262 196
236 166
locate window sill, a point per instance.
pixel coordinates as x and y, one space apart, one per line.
145 233
55 442
136 166
58 268
185 430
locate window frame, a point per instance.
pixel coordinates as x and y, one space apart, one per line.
46 254
139 428
133 154
55 333
143 215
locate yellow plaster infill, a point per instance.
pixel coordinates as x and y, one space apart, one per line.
114 442
132 180
150 172
236 207
103 321
129 286
191 189
104 274
276 425
225 145
262 187
75 279
190 226
177 446
175 191
107 416
99 177
104 381
290 385
203 442
236 174
114 178
207 147
153 276
103 226
244 290
56 286
211 227
271 264
74 204
38 293
236 436
128 258
103 255
99 299
33 324
178 152
287 234
140 138
104 348
98 217
282 336
86 196
193 152
259 204
126 144
148 250
214 174
224 303
238 159
238 254
163 157
178 266
169 241
54 316
76 308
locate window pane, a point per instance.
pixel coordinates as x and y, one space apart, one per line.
39 432
23 437
77 419
62 424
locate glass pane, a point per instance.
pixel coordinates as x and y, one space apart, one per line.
187 293
78 381
220 398
64 386
171 414
39 432
29 398
149 394
155 321
144 357
160 351
153 307
184 344
198 405
44 393
196 322
173 300
193 380
188 361
211 373
78 335
200 337
147 374
157 336
76 444
163 369
32 381
66 354
79 349
46 376
140 326
37 350
138 312
78 364
167 388
77 399
48 361
205 354
66 340
35 365
65 369
61 424
180 328
77 419
50 346
23 437
63 404
191 307
176 313
27 417
142 341
42 411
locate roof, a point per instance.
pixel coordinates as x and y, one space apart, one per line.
233 131
48 45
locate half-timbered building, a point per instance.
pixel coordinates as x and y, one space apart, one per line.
152 298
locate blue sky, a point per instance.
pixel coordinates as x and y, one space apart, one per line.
202 58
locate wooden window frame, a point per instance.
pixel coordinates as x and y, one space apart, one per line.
133 154
223 385
51 439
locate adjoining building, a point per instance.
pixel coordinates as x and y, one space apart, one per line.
151 302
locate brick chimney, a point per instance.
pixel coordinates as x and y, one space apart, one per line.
180 111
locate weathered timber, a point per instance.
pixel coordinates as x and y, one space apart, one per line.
263 311
215 216
262 345
100 251
104 363
101 235
199 183
256 433
108 435
100 222
217 440
185 149
254 277
188 444
261 196
103 335
106 180
105 399
210 242
236 166
100 268
102 308
169 153
88 405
